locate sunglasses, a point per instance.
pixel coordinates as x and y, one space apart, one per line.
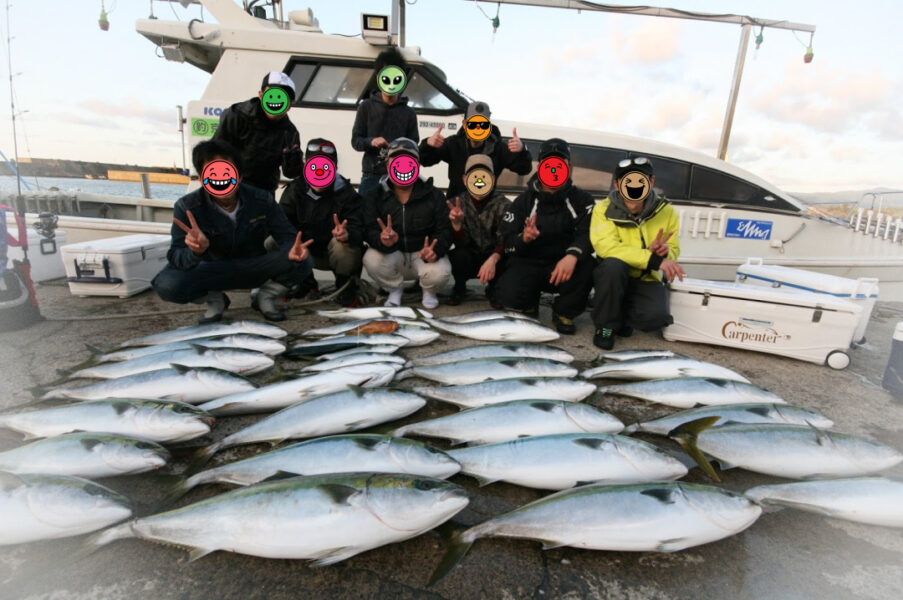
324 148
640 160
478 125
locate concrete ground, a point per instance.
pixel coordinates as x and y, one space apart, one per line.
785 554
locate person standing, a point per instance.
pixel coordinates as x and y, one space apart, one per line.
634 232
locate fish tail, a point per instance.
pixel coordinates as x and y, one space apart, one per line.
182 487
102 538
457 543
631 428
202 457
687 435
405 374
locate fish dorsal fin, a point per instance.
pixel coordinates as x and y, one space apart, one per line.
357 390
543 405
338 493
663 495
199 348
762 411
8 481
510 362
279 476
594 443
723 383
821 436
181 370
367 442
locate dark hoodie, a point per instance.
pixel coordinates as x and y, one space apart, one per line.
376 119
264 144
617 211
311 213
562 218
456 149
424 215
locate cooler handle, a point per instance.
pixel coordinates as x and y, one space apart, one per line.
79 278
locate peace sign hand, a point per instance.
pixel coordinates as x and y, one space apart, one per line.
428 252
455 214
339 232
195 239
436 140
530 230
298 252
388 236
514 144
660 244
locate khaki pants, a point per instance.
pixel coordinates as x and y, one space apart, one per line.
391 270
344 261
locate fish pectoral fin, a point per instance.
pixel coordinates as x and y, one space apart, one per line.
356 424
339 494
196 553
552 544
481 481
334 555
672 545
279 475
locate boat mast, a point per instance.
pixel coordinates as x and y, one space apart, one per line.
746 22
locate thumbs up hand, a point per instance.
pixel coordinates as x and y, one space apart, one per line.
436 140
514 144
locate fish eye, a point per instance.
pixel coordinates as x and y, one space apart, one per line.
145 446
426 484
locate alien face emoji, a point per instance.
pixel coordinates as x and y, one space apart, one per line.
319 172
275 101
219 178
403 170
479 182
391 80
553 172
477 128
634 186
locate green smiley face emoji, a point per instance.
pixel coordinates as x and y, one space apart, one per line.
274 101
391 80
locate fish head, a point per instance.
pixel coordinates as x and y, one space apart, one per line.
170 420
414 457
226 383
813 418
128 455
264 329
60 501
242 361
729 510
589 419
870 455
412 503
401 402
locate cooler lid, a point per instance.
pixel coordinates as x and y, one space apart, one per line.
120 245
742 291
810 281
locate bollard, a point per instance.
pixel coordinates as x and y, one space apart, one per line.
893 374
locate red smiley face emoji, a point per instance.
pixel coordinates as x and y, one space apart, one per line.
220 177
553 172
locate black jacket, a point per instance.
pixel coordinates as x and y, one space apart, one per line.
562 219
312 215
258 217
376 119
425 214
261 143
456 149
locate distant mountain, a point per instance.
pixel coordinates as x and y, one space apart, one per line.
889 196
58 167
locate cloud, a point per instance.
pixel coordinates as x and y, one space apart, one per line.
128 107
650 41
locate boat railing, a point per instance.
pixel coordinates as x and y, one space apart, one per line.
878 224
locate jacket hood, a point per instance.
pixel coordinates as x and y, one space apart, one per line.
377 96
617 210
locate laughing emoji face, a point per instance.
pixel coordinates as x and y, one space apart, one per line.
403 170
553 172
219 178
479 182
634 186
319 172
391 80
477 128
274 101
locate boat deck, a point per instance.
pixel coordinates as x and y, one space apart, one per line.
785 554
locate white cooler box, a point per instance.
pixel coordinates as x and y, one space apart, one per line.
43 254
803 325
863 291
119 266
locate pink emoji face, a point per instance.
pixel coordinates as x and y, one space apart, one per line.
403 170
553 172
319 172
220 177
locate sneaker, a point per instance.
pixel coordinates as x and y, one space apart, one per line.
564 325
625 331
349 299
217 303
604 339
309 288
394 298
430 300
457 297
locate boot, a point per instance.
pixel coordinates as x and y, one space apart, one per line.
269 300
348 297
217 303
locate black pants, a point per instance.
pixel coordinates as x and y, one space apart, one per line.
466 261
174 285
622 300
522 281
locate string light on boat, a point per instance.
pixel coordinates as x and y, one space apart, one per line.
103 21
760 38
809 55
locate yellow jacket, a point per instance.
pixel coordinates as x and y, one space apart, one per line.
614 235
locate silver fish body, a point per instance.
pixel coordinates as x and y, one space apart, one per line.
324 518
279 395
870 500
687 392
486 369
486 315
417 336
90 455
504 390
661 368
359 358
376 348
375 312
378 374
337 343
561 461
505 329
209 330
737 413
495 351
258 343
233 360
335 454
154 420
340 412
176 383
512 420
622 355
45 507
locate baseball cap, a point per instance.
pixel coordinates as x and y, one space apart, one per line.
403 145
279 79
477 108
555 147
478 160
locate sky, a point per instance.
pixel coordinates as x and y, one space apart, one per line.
834 124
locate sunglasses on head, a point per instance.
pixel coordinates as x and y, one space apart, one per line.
478 124
324 148
639 160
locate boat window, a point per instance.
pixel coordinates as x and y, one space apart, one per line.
424 95
672 177
337 84
713 186
300 74
591 168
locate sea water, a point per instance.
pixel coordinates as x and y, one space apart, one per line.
159 191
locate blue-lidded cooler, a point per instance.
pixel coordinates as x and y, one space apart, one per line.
862 291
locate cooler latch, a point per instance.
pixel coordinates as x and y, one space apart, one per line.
816 316
705 298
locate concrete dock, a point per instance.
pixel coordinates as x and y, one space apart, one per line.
786 554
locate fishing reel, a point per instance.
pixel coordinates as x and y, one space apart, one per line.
46 226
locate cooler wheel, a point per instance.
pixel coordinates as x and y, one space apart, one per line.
838 359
